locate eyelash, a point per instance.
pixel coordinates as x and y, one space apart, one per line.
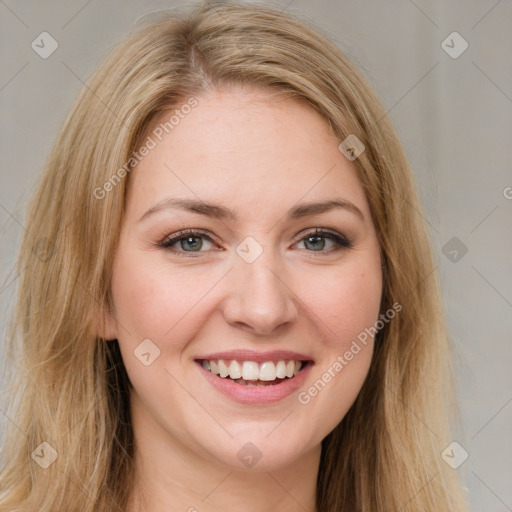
168 242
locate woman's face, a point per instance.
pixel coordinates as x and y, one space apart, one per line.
253 283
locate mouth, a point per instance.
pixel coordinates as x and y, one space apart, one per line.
252 377
253 373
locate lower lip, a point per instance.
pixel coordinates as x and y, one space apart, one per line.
256 394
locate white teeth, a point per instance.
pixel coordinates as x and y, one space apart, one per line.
268 371
223 369
214 368
281 370
251 370
235 370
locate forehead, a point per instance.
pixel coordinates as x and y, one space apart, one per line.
248 148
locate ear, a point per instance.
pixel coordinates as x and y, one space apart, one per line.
105 325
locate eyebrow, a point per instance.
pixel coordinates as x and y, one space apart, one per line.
221 212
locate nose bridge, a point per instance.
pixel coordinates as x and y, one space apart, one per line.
258 297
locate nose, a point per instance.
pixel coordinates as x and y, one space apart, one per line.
259 299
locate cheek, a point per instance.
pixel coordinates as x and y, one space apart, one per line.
345 304
149 299
344 301
153 303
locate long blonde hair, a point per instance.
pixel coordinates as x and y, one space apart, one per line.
69 388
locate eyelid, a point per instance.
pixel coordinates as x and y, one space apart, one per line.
190 232
340 240
318 231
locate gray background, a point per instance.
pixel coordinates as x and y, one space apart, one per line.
454 116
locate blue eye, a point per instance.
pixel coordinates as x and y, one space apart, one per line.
187 239
316 240
191 241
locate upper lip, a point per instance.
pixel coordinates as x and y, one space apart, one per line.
258 357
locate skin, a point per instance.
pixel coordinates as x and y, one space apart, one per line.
260 155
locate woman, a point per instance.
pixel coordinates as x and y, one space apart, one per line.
227 298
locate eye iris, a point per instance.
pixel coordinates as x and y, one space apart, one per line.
195 246
316 239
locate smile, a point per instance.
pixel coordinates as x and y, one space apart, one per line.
254 378
251 373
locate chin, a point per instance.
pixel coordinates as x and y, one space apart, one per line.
259 452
